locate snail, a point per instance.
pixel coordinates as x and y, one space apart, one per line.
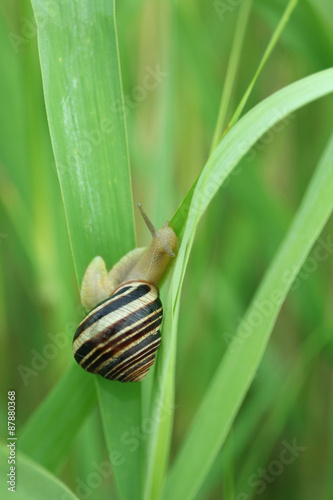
120 335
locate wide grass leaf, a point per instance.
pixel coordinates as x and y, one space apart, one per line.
84 102
82 87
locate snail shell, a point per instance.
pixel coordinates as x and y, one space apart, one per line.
119 337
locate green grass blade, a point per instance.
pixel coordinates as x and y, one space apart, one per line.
82 87
237 369
309 32
235 54
121 414
254 124
80 69
275 399
286 400
63 410
32 481
226 156
273 41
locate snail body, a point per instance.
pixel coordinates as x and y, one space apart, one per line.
120 335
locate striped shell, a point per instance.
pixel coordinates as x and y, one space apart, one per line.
119 338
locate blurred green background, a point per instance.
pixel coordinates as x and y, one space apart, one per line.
173 60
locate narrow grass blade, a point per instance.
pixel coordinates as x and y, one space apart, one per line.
310 31
275 397
254 124
237 44
226 156
237 369
286 401
32 481
273 41
82 86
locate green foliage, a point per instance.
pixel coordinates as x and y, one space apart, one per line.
221 397
35 482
